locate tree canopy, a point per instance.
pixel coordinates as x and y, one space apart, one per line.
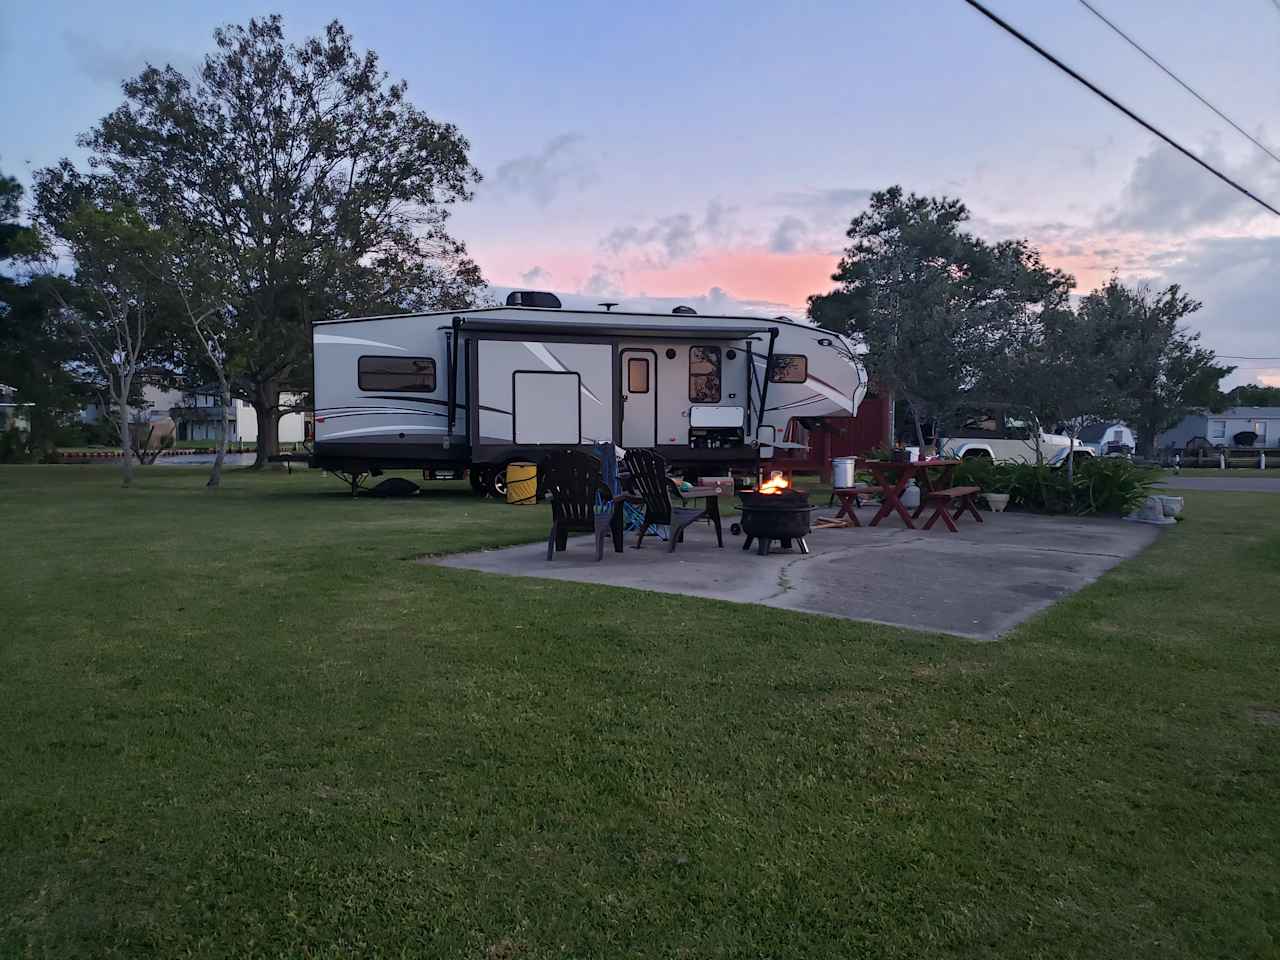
303 177
1161 371
932 303
948 319
37 349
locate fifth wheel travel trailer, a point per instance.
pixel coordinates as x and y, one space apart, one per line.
478 389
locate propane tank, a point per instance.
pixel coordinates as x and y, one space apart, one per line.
911 495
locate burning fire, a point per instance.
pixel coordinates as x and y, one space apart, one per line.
775 484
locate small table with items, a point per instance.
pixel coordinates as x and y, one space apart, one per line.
710 497
849 498
934 479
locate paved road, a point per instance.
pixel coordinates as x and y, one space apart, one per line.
1236 484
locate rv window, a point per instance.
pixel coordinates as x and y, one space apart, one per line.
704 374
398 374
637 375
789 368
1217 429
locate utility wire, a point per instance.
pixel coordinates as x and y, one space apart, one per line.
1013 31
1230 356
1180 82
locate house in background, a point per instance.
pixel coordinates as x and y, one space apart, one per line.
11 412
199 417
1110 436
1221 429
196 415
151 415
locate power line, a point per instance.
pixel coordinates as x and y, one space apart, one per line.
1180 82
1013 31
1231 356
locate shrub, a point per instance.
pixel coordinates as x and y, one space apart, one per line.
1101 485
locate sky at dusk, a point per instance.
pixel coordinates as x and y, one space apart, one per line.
713 154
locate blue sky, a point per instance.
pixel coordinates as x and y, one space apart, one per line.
712 153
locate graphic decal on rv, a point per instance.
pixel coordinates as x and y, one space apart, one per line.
386 428
355 341
547 357
817 384
333 413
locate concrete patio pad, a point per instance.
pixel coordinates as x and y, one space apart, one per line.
977 583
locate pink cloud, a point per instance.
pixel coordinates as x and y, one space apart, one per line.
750 273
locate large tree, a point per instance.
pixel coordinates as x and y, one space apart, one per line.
116 303
1250 395
306 179
38 351
929 301
1161 372
1062 366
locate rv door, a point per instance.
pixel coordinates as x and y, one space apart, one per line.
639 398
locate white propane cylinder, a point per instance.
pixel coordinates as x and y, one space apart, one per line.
911 495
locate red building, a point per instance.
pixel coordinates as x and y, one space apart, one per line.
829 437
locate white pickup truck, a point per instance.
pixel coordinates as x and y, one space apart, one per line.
1007 435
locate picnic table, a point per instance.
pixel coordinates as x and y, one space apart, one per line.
892 478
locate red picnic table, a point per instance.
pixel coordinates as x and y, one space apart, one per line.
934 479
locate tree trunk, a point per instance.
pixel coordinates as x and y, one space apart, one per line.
126 445
266 397
1146 440
1071 457
215 474
915 419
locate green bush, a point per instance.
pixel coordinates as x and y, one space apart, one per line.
1101 485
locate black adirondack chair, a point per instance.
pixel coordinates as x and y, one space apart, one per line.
572 478
649 477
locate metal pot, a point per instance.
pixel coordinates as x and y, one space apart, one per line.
842 472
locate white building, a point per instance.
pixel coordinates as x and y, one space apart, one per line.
12 413
197 415
1220 429
1112 436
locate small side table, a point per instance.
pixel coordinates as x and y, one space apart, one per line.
848 497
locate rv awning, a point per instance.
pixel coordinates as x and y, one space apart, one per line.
616 331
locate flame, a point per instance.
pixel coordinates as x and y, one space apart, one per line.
775 484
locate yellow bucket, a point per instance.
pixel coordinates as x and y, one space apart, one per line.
522 483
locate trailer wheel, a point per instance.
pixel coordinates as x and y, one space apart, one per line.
735 529
497 482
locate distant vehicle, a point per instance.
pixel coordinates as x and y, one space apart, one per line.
1007 434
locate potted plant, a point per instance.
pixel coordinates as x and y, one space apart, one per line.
997 485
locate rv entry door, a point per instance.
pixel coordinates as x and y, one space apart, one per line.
639 398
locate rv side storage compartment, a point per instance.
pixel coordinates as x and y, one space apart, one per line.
716 427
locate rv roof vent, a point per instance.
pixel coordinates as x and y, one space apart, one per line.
533 298
783 317
685 310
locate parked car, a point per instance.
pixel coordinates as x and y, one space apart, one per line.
1008 434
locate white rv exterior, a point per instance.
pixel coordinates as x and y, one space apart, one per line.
481 388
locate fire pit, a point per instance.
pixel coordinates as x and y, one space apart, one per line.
775 512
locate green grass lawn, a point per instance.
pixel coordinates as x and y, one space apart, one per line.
246 723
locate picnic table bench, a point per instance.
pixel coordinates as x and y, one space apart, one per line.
936 489
942 501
